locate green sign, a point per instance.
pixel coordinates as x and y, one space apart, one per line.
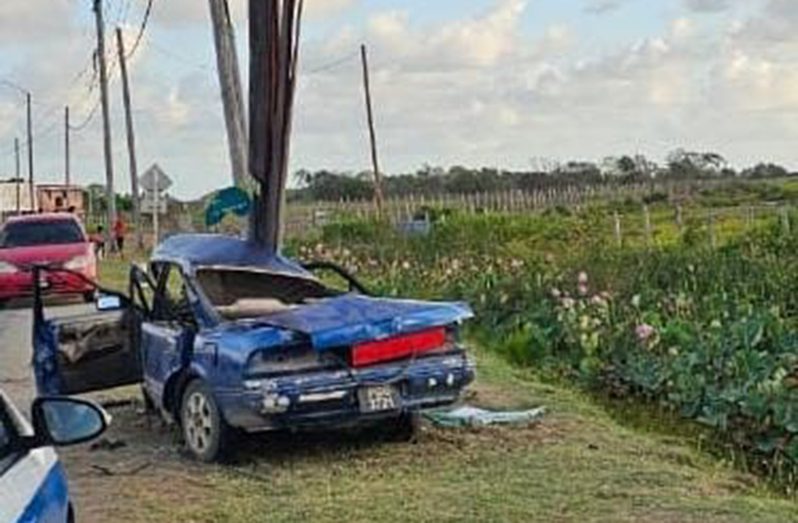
233 201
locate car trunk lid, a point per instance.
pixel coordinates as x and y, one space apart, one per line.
352 319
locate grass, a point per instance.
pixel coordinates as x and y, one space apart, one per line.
579 464
585 462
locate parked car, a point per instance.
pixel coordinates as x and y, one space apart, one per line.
225 336
33 484
55 240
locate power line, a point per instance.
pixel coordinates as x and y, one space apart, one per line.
334 64
142 29
86 121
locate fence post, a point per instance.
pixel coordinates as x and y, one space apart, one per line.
750 218
649 228
713 241
618 231
785 219
679 218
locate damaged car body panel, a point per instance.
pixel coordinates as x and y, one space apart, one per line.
260 339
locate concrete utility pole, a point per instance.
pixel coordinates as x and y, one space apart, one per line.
67 180
232 94
131 141
18 179
110 193
156 212
31 189
378 196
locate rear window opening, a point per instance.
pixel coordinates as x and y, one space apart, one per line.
242 294
45 232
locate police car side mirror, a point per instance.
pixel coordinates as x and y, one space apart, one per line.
67 421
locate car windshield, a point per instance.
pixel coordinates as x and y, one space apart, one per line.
31 233
249 293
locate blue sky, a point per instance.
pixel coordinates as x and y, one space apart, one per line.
501 83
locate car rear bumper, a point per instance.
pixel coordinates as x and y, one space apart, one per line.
20 285
331 399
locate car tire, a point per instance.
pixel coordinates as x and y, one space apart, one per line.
3 304
205 432
89 297
405 428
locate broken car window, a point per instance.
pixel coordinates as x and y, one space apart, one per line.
249 293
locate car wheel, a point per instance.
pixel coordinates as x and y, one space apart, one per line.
3 304
88 297
205 432
405 428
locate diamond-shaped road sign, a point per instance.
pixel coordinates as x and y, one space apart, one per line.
155 177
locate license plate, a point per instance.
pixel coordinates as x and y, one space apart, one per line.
378 399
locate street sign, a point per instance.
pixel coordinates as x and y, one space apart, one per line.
229 201
147 203
155 177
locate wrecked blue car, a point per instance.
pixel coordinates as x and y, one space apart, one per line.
226 337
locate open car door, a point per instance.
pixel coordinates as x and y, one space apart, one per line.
91 350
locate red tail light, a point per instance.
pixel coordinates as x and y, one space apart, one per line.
397 348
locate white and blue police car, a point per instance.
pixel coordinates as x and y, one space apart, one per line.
33 486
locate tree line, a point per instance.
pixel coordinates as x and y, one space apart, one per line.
680 165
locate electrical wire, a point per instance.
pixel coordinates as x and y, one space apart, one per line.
142 28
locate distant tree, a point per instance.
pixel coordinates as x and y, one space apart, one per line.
765 170
688 165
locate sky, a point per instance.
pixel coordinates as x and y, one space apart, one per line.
481 83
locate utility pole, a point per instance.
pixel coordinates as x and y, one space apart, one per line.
131 140
274 31
110 193
232 94
18 179
67 180
156 211
378 196
31 189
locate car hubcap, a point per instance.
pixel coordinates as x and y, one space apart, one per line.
198 422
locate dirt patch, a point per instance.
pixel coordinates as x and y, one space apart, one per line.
138 471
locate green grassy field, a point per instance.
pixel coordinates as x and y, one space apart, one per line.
584 462
591 458
578 464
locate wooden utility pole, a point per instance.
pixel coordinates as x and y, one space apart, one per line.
110 193
131 140
378 196
18 179
67 180
31 189
274 31
232 94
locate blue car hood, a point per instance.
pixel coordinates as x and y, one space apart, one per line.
350 319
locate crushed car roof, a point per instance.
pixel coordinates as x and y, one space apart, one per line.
193 251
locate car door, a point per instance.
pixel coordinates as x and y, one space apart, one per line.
32 482
167 334
94 349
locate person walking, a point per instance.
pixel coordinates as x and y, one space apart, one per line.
98 239
120 230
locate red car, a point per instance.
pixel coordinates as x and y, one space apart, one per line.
47 239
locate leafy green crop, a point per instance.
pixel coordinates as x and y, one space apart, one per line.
710 333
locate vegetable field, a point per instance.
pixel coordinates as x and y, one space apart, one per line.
705 330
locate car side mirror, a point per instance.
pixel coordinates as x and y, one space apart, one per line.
67 421
108 302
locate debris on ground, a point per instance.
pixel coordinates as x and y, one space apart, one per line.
475 417
107 444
